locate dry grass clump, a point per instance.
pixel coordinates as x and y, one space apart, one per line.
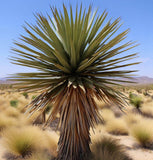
107 115
6 122
143 133
147 111
108 149
12 112
132 118
97 132
51 142
23 141
117 127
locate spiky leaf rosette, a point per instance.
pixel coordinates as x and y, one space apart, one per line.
78 57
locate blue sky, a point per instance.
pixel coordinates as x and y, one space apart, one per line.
136 15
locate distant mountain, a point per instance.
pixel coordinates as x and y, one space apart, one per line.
4 81
143 80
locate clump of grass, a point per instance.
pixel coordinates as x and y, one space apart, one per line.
117 127
107 115
97 132
147 111
143 133
132 118
6 122
14 103
23 141
12 112
108 149
25 94
51 142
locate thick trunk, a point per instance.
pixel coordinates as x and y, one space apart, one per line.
71 148
78 112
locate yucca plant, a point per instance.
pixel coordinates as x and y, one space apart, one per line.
78 57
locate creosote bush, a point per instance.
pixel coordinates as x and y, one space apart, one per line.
14 103
108 149
135 100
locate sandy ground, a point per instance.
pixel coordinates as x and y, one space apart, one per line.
134 151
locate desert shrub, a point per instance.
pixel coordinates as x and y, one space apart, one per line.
145 93
135 100
143 133
33 97
139 90
25 94
117 127
14 103
131 95
108 149
23 141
